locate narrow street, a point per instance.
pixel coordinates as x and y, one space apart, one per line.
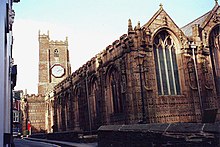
29 143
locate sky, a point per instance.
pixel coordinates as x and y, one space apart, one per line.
90 25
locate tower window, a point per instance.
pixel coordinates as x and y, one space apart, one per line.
56 53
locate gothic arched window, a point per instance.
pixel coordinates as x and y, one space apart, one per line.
116 105
76 106
166 64
56 53
94 96
214 43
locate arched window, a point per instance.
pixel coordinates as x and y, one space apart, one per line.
166 64
56 53
114 94
59 118
68 110
76 107
63 113
94 96
214 43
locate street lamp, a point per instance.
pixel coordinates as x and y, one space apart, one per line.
193 47
140 59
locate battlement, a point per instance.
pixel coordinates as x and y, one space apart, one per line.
98 58
58 42
34 96
123 44
43 36
111 51
52 42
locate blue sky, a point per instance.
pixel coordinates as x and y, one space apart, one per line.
91 25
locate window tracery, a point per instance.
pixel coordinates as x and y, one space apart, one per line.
166 64
115 92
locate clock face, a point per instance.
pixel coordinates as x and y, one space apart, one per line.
57 71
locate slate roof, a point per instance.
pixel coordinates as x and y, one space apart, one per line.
201 21
187 29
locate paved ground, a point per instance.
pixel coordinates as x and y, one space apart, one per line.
30 143
63 143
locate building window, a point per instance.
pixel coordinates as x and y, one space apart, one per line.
115 92
94 97
15 116
166 64
214 43
56 53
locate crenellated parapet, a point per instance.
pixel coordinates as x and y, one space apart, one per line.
110 53
35 98
135 38
46 37
58 42
43 37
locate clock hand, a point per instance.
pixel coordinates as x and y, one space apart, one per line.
59 70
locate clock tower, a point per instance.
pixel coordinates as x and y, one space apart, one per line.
54 65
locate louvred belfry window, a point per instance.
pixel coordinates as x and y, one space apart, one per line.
166 64
56 53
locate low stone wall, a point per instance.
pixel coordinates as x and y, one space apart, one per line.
147 135
61 136
64 136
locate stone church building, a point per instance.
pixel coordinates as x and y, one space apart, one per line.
155 73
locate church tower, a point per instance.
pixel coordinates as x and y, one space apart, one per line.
54 65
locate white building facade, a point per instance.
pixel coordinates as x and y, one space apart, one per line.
6 41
